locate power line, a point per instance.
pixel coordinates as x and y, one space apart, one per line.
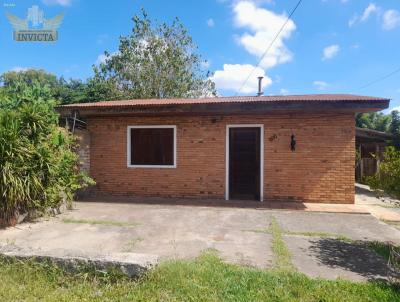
381 78
270 45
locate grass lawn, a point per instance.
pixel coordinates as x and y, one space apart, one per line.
205 279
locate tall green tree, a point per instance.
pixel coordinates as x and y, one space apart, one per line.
375 120
29 76
16 81
71 91
64 91
157 60
395 128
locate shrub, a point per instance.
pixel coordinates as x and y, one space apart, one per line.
38 168
388 177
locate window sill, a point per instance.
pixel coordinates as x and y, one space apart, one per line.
152 166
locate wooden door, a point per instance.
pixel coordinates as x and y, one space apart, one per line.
244 163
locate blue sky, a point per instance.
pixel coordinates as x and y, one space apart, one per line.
329 46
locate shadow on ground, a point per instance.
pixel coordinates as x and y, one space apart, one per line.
350 256
361 190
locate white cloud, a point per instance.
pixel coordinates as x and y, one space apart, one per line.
353 20
260 27
368 11
330 51
233 75
101 59
57 2
371 8
395 108
263 25
390 19
19 69
210 22
320 85
284 91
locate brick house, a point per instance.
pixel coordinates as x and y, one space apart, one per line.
268 148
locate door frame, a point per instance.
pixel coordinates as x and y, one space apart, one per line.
227 158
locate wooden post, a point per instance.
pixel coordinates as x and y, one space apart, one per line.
73 126
378 158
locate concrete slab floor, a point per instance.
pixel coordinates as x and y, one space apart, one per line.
332 259
353 226
170 232
174 232
383 208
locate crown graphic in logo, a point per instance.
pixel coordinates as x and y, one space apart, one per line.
35 17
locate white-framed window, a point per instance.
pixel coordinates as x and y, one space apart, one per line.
151 146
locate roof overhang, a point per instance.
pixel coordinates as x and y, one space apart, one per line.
369 135
223 107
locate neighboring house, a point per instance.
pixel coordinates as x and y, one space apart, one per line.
370 145
268 148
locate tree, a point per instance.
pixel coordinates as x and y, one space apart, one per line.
72 91
29 76
66 92
16 81
395 128
154 61
375 120
388 178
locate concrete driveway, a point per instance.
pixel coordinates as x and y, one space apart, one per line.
240 235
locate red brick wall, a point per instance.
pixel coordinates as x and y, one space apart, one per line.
320 170
83 140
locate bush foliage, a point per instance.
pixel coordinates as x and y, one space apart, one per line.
38 166
388 177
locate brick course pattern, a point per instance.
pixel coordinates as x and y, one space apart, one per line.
320 170
83 140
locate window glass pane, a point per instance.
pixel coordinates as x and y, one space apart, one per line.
152 146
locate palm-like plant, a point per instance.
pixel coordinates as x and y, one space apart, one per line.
38 168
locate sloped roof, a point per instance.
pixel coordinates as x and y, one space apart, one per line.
228 105
374 135
229 100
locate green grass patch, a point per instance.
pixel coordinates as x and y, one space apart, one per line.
318 234
381 248
307 234
206 278
100 222
283 258
282 255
